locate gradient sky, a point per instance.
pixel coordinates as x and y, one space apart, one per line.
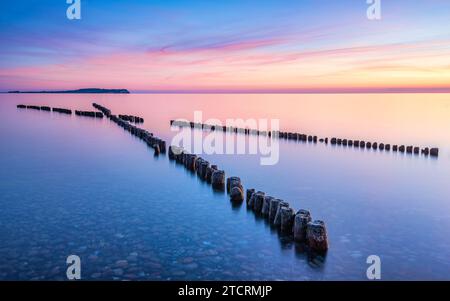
232 45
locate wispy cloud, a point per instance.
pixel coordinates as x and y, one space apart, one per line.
187 49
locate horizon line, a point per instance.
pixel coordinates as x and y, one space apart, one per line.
395 90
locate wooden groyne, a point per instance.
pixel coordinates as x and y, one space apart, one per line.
104 110
345 142
131 118
89 114
282 216
211 174
410 149
299 225
157 144
44 108
63 111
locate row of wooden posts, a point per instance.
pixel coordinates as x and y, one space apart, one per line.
62 110
89 114
427 151
156 143
278 212
45 108
283 217
131 118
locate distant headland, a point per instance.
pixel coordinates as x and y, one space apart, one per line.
80 91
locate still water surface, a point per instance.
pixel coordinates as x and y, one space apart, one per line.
75 185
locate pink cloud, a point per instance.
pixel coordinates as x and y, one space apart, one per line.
252 64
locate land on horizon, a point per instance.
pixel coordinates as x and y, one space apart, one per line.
84 90
396 90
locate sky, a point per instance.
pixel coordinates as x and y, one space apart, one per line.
314 46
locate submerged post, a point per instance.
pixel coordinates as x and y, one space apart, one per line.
277 220
218 179
287 220
302 218
317 236
273 209
250 193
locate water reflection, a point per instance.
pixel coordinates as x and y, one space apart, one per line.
76 185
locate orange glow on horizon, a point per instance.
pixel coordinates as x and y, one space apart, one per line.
251 66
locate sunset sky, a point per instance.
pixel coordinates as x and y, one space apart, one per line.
232 45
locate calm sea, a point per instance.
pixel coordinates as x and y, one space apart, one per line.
75 185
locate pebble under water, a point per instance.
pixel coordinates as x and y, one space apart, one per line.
74 185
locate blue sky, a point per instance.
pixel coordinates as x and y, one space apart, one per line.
245 44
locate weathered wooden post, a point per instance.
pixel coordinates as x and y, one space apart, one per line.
266 206
233 181
258 202
287 220
157 150
317 236
192 162
273 209
277 220
218 179
236 194
250 193
409 149
203 167
302 218
209 172
434 152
